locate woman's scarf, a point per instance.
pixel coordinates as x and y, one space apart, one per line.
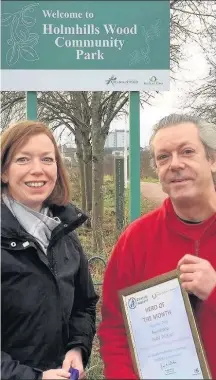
38 224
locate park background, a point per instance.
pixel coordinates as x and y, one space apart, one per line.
92 131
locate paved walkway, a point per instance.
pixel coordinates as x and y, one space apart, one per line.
153 192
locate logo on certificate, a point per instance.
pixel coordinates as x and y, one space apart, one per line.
196 371
132 303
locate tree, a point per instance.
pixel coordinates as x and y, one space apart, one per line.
191 21
201 98
12 107
146 167
88 116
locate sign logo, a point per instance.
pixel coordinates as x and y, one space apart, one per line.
158 294
153 80
132 303
113 81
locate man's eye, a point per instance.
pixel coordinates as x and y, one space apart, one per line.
162 157
188 151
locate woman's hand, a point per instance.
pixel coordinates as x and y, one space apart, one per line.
73 358
55 374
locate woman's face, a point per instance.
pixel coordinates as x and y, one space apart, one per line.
32 172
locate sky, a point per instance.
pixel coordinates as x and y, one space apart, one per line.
193 70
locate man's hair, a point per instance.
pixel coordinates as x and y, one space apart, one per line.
206 130
17 135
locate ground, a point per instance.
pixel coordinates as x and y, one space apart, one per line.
153 192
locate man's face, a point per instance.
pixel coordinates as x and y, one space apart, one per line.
184 171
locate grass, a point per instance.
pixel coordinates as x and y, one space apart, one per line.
150 179
97 265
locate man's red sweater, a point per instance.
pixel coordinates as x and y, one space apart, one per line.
150 246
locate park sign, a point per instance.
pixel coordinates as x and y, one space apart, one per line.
85 45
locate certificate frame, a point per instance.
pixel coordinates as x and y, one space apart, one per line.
160 279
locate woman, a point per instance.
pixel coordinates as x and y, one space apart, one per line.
48 299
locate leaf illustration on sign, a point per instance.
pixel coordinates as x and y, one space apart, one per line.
6 19
143 54
12 55
27 20
21 41
33 39
28 53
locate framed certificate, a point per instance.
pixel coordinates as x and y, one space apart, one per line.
162 332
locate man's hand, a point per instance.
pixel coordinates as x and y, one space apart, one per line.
197 276
55 374
73 358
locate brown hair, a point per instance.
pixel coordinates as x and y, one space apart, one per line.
17 135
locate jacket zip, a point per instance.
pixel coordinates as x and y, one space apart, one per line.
52 262
51 265
197 243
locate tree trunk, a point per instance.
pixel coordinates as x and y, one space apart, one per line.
97 193
97 174
87 156
82 174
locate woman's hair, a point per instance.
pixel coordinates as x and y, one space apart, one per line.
207 133
17 135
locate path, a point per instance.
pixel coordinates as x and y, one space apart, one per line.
153 192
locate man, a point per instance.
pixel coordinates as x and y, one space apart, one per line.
180 234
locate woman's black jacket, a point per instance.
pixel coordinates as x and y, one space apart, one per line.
48 301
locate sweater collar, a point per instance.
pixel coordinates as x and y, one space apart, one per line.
193 231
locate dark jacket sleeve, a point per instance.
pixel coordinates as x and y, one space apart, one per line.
82 325
13 370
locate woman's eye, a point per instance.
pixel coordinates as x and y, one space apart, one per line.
22 160
48 159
